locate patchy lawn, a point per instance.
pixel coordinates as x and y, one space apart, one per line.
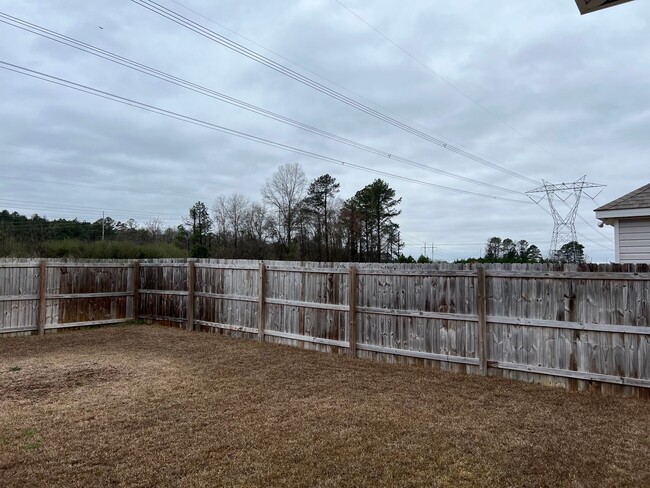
155 406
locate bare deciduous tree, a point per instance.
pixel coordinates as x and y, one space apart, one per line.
219 210
236 208
284 191
154 228
230 214
257 221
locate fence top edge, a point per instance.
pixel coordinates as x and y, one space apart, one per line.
245 267
587 271
19 265
416 272
289 269
587 275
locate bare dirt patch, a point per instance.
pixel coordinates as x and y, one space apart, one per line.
33 381
154 406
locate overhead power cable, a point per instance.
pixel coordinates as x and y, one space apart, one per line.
208 125
321 76
60 206
77 183
449 83
580 234
90 182
54 220
65 224
101 53
259 58
205 32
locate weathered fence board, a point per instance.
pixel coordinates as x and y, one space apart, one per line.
226 295
48 295
568 326
568 321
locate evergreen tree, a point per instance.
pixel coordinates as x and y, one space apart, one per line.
317 204
351 228
200 224
522 251
571 252
493 249
377 205
534 255
508 250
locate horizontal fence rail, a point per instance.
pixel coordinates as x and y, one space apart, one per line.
51 295
569 326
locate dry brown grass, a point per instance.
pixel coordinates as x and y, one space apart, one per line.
154 406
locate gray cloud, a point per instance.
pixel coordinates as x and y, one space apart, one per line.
574 85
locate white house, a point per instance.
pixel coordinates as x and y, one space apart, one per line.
630 216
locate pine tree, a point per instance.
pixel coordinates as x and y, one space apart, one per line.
317 204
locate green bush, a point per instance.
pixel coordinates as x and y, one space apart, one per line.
70 248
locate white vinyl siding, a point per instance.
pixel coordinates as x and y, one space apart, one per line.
633 238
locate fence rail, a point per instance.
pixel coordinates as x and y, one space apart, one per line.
573 327
40 296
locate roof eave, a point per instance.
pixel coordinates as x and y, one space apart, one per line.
588 6
623 213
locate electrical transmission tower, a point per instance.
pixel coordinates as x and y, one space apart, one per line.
564 224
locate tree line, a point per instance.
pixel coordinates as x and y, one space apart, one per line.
298 220
22 236
294 219
498 250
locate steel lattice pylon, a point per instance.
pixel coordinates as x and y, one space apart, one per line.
564 225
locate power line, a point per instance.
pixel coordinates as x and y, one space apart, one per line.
94 185
63 222
60 206
578 233
598 231
208 125
51 223
319 75
564 229
47 221
259 58
409 236
87 157
449 83
101 53
57 221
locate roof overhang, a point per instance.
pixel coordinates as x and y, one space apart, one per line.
622 214
588 6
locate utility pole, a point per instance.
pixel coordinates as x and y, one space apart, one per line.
102 226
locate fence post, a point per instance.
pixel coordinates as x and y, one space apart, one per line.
42 302
261 318
191 279
136 290
481 305
352 300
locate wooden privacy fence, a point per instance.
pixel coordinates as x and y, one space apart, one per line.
542 323
39 296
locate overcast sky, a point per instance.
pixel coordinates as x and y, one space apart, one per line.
532 88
